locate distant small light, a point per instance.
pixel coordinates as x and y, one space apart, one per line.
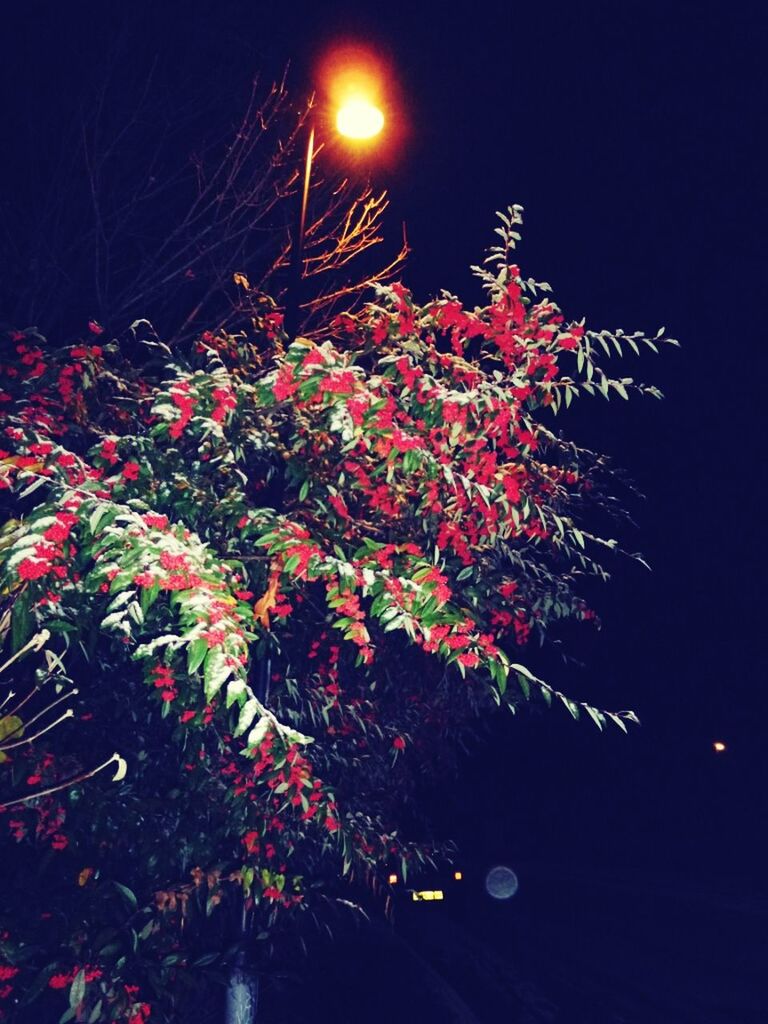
393 879
359 119
719 747
418 895
457 876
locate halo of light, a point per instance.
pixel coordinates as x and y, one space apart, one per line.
501 882
356 87
358 118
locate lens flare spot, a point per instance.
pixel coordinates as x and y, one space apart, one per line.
501 882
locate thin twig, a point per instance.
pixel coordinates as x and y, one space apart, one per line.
83 777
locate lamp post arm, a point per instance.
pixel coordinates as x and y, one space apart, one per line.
293 298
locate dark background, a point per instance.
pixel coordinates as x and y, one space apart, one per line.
631 134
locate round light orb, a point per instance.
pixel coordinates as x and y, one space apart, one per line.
501 883
359 119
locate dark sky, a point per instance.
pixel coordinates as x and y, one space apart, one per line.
630 133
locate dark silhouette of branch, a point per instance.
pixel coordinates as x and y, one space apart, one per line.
151 214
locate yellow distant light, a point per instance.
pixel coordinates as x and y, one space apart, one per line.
719 747
393 879
426 894
458 876
358 118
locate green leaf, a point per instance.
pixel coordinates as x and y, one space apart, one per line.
524 685
11 727
291 564
205 960
595 715
96 516
21 622
77 989
573 708
196 652
247 714
33 486
216 672
258 732
38 985
136 613
120 600
501 679
127 895
112 620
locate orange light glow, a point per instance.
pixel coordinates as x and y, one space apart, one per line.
719 747
458 876
354 82
393 879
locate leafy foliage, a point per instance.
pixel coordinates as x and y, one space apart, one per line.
288 578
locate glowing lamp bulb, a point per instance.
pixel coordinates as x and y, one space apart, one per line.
359 119
719 747
393 879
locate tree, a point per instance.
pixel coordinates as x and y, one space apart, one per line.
146 210
288 579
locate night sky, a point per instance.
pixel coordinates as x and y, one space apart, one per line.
630 134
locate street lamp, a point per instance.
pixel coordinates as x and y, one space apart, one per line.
353 89
358 118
